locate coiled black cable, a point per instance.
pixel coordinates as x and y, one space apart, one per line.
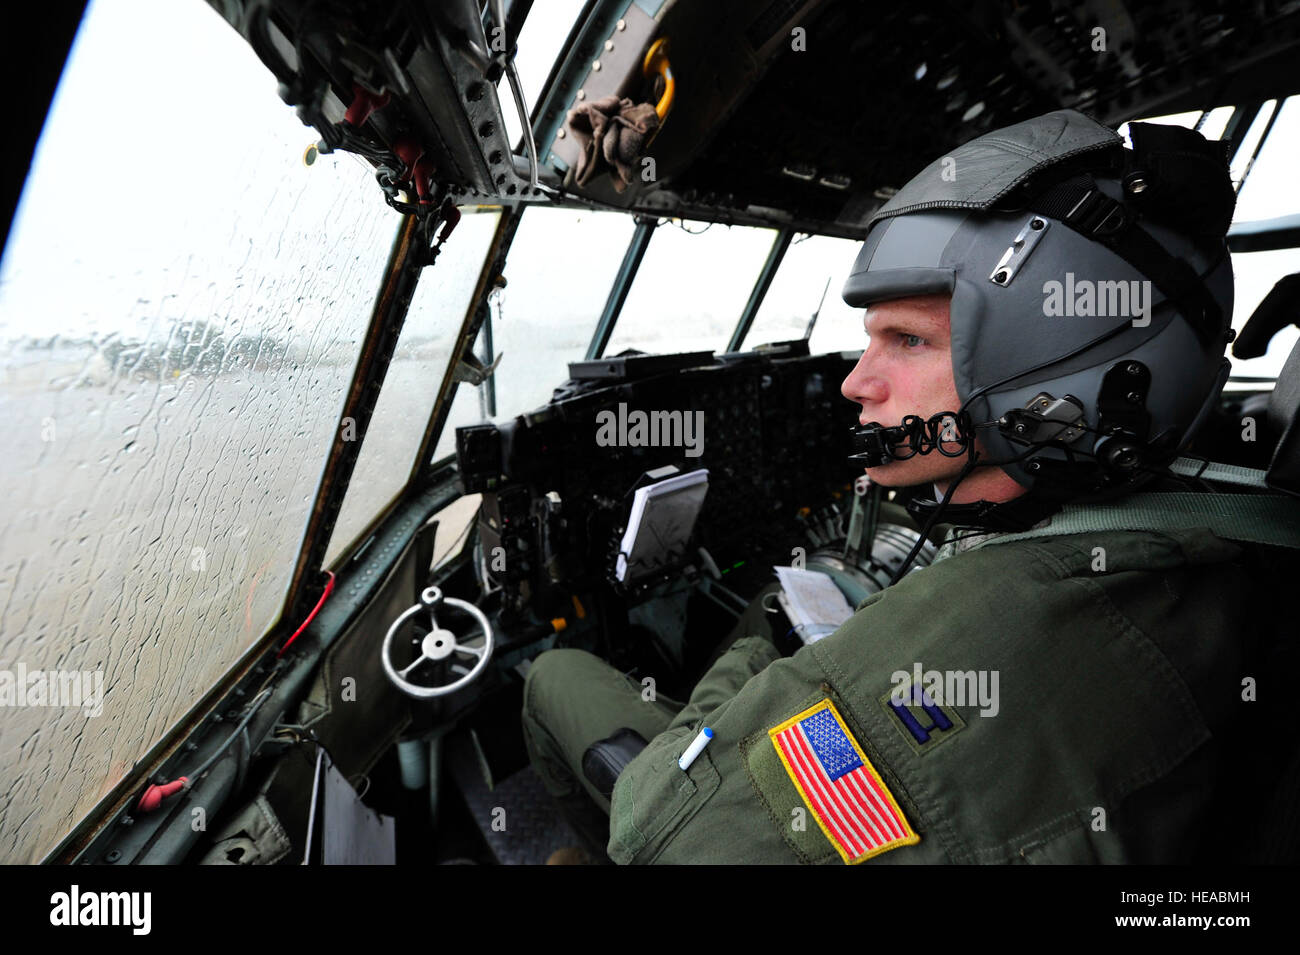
924 435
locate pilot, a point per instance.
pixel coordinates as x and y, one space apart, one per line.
1047 311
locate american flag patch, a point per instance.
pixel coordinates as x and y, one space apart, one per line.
849 800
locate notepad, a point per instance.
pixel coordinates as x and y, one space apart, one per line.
660 526
813 603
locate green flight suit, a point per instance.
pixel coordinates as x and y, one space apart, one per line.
1116 680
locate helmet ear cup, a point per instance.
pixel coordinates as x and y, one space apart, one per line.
1118 455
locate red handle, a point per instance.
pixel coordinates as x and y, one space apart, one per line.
154 795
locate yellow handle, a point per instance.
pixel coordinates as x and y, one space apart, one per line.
656 61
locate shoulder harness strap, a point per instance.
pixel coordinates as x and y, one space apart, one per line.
1272 519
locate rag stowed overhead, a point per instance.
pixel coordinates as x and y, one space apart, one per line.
612 132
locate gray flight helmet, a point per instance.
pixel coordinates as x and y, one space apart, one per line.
1034 231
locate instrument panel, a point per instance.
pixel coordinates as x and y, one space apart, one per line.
557 482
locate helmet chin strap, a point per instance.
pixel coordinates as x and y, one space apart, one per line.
876 445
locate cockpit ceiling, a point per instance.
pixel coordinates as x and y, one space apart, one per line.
805 113
823 132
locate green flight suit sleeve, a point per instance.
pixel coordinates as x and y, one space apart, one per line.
747 657
746 651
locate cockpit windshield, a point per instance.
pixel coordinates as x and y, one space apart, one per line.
177 348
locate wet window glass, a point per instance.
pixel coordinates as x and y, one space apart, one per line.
559 271
1254 274
411 385
1251 147
691 288
1270 189
467 407
180 316
809 282
1214 122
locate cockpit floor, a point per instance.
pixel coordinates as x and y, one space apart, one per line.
529 829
